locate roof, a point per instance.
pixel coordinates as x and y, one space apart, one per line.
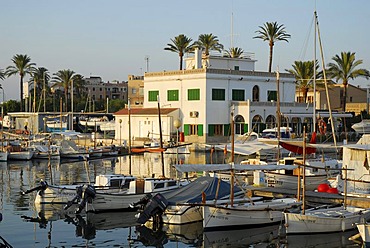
145 111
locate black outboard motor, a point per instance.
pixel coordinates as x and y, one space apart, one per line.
75 199
155 208
88 195
43 185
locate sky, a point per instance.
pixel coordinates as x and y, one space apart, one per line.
116 38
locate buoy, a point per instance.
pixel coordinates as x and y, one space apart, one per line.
323 187
322 127
332 191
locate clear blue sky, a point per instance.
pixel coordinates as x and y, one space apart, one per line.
111 38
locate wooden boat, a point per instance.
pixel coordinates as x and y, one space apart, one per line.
325 220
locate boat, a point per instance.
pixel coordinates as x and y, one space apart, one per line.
138 189
325 220
111 150
96 152
64 194
17 152
362 127
46 152
69 150
56 126
4 156
92 122
108 126
364 230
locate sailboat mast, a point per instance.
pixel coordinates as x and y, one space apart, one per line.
314 76
278 116
160 136
232 158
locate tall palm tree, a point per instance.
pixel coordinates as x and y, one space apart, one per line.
209 42
303 72
40 74
181 44
272 32
63 78
234 52
22 66
344 68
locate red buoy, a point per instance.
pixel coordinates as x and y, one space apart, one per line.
323 187
333 191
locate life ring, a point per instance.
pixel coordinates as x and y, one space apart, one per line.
322 127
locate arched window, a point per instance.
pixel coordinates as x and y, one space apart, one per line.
240 126
256 94
270 121
257 124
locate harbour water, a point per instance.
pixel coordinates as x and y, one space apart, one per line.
27 225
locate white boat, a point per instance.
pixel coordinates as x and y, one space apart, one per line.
17 152
137 190
62 194
247 214
325 220
69 150
364 230
95 152
55 125
46 152
92 122
362 127
108 126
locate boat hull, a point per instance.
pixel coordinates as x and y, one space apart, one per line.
182 214
364 230
325 220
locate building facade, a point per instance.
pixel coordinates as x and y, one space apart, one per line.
98 90
136 90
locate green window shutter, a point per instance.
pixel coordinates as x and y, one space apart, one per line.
211 130
200 130
218 94
153 95
226 129
186 129
238 95
193 94
172 95
245 128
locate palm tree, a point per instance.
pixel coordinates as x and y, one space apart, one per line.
345 69
63 78
2 74
234 52
303 72
40 74
22 66
272 32
209 42
181 44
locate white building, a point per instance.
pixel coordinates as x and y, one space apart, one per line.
211 87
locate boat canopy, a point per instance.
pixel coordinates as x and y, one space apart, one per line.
227 167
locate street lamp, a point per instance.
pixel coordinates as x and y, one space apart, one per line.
120 131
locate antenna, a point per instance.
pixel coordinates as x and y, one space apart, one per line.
147 63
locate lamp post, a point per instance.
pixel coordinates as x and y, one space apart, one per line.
120 131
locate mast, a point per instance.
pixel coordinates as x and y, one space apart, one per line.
232 158
314 77
278 112
160 136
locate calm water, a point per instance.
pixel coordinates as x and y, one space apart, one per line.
26 225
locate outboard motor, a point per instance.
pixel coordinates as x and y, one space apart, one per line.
154 208
75 199
43 185
88 195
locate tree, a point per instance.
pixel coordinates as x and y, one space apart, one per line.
63 78
2 74
40 74
234 52
303 72
209 42
345 68
22 66
181 44
272 32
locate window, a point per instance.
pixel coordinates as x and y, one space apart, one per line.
101 96
271 95
133 91
218 94
193 94
93 88
238 95
215 130
172 95
100 89
236 68
153 95
256 94
193 129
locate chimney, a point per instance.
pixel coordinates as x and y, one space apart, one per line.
198 58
